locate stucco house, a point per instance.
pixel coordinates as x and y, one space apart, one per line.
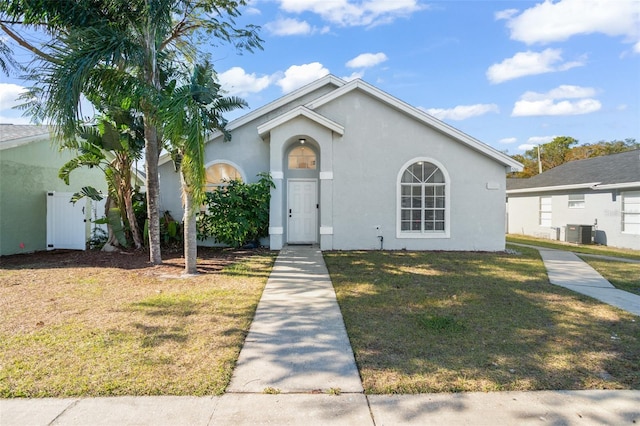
601 192
35 212
356 168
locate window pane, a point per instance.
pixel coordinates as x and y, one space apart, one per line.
220 173
429 202
576 201
422 198
302 158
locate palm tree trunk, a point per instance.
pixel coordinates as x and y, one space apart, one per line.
189 224
152 148
153 191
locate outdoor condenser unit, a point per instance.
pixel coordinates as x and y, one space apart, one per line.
579 234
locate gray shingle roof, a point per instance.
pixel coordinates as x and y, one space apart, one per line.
606 170
10 133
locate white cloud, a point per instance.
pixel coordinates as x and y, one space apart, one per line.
288 26
298 75
508 140
549 107
549 21
366 60
354 75
505 14
539 140
462 112
534 141
529 63
564 91
348 14
526 147
8 94
555 102
237 82
5 119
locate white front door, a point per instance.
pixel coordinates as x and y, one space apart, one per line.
302 199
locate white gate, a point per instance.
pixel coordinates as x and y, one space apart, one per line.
66 222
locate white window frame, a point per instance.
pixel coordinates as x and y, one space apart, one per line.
545 211
446 233
630 212
211 187
578 201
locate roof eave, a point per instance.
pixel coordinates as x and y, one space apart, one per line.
590 185
265 129
420 115
622 185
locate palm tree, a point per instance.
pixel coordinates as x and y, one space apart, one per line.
189 112
114 46
112 145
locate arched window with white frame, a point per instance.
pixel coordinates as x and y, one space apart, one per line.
423 200
219 173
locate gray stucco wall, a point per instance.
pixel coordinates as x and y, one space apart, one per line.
601 207
358 176
377 143
27 172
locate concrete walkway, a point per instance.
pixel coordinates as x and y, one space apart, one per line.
568 270
298 345
297 341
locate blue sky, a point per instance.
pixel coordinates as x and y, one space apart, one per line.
509 73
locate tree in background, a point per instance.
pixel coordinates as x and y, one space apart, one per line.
563 149
115 46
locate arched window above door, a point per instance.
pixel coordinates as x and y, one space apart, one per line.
302 157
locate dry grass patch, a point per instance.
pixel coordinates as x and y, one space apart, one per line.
477 322
91 323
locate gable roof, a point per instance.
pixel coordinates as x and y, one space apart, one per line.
300 111
13 135
620 170
419 115
341 87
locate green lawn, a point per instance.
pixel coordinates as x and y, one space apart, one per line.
453 322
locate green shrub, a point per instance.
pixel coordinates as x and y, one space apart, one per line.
238 213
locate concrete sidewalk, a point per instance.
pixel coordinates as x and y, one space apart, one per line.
298 345
497 408
568 270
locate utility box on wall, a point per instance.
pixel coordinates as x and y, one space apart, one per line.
579 234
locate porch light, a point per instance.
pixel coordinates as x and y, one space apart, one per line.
302 141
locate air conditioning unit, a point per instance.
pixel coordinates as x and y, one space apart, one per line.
579 234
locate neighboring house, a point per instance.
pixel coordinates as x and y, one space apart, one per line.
356 168
35 212
601 192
